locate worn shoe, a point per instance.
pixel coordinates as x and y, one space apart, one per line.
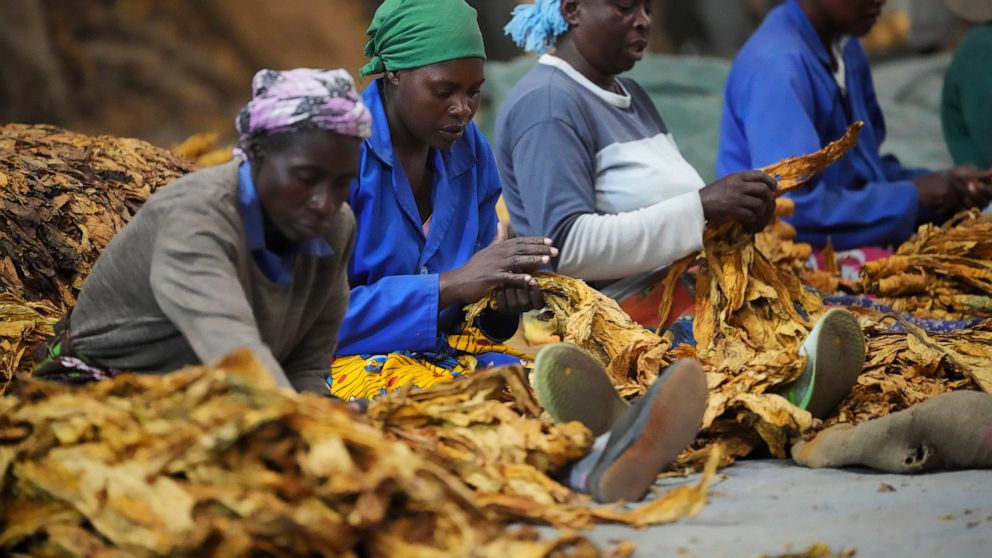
571 385
835 356
651 435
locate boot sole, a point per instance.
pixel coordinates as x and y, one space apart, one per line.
837 362
572 386
651 435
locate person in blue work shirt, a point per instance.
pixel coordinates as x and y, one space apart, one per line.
425 207
797 84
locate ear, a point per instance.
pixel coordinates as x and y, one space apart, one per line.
393 77
570 11
255 154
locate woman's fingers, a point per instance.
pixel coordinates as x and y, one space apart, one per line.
509 279
527 263
536 297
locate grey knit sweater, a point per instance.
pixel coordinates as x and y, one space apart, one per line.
178 286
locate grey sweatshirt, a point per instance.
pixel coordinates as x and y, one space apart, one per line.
178 286
598 172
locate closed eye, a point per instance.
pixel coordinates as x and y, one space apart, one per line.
309 177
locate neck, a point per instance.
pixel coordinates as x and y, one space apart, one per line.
827 32
568 52
275 241
405 143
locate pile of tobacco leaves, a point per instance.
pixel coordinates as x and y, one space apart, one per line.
942 272
63 196
216 461
23 325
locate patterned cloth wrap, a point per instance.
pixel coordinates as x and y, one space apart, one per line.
303 99
57 360
358 377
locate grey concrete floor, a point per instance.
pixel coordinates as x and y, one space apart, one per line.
770 507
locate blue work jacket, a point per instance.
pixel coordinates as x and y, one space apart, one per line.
394 270
781 100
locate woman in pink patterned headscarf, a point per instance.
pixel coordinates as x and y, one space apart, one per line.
251 254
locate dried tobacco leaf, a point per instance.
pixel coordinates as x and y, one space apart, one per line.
216 461
796 171
63 196
202 149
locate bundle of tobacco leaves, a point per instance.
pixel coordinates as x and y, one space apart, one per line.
202 149
215 461
777 243
486 430
906 366
22 326
752 315
63 196
579 314
942 272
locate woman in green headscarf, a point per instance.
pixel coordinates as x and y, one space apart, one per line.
425 208
424 204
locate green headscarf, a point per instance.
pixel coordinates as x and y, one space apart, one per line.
408 34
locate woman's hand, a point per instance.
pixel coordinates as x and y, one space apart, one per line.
505 265
513 301
747 198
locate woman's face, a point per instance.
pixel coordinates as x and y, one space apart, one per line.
302 178
437 102
611 34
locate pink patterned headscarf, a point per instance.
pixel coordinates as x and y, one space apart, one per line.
303 99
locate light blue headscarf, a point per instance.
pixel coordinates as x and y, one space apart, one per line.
536 26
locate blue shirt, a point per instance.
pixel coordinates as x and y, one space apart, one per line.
277 267
395 269
782 100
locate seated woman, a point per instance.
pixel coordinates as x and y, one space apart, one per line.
799 82
251 254
587 160
965 112
425 206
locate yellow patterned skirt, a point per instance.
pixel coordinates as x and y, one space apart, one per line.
370 376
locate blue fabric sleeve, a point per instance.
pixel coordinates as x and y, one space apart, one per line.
397 313
777 123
